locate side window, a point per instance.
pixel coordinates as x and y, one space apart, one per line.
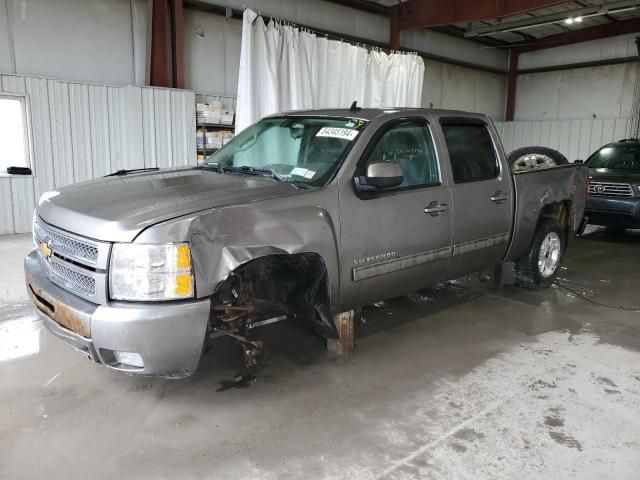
471 152
410 146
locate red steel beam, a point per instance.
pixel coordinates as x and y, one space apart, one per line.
394 28
582 35
159 42
431 13
177 43
512 83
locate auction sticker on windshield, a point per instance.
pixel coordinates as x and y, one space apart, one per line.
303 172
335 132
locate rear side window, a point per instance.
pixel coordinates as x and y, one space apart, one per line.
471 152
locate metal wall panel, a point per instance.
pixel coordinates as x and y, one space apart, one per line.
81 131
23 203
149 127
132 127
80 40
41 138
576 139
114 109
604 91
100 134
60 113
81 127
6 207
162 105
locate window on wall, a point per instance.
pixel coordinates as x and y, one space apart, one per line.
14 143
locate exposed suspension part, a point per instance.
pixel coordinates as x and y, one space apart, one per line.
268 290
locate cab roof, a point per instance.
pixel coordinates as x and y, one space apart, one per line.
371 113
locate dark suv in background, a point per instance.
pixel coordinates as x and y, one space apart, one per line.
614 185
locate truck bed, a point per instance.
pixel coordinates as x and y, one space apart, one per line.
534 189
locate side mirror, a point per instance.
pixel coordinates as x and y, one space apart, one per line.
380 175
578 162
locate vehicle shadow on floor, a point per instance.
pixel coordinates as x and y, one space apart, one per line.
295 344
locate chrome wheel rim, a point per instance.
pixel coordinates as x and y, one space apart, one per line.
549 256
533 160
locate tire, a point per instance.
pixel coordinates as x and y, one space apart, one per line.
533 271
535 157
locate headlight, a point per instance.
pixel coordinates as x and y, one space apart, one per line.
150 272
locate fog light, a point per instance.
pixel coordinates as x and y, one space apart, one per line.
129 358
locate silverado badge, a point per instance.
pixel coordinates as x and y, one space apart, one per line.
45 250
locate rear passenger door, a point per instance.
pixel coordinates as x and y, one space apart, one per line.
482 196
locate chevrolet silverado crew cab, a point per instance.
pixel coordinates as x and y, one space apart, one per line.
305 214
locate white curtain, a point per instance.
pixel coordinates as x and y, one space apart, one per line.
285 68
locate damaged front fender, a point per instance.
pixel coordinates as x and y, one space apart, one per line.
224 239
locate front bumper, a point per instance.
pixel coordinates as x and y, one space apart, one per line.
168 336
609 211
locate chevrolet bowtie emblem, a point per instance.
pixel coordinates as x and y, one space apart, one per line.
45 250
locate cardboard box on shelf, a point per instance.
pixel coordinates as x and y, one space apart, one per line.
200 138
213 139
226 117
209 116
227 136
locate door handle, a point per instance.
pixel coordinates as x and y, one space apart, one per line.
499 197
434 208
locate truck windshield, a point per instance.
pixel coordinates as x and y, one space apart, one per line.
295 149
618 157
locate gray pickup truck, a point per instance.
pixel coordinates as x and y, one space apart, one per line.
303 215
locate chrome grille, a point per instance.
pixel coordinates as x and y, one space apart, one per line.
70 279
67 245
610 189
75 263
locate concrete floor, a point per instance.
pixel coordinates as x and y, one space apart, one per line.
472 384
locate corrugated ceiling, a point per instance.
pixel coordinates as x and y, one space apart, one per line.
534 31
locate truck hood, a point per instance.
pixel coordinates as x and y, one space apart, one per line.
614 176
117 209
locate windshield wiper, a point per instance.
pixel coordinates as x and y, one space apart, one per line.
271 172
211 166
255 171
133 170
252 171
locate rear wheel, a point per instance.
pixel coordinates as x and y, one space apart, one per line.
539 267
535 157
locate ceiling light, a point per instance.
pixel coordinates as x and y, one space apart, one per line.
577 19
568 21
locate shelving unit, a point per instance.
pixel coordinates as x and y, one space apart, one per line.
211 136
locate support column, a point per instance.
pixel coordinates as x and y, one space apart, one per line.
158 41
177 43
394 28
512 84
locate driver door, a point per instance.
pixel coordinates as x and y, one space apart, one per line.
396 239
